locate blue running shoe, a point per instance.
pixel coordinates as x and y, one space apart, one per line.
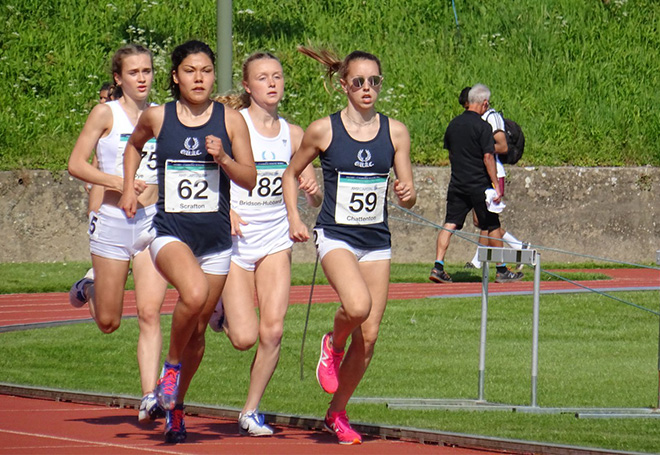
175 427
217 320
78 295
167 387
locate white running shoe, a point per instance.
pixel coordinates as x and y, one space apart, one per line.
149 409
252 424
78 296
217 320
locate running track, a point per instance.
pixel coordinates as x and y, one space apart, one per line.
41 426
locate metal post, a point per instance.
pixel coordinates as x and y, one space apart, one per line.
224 45
484 318
535 327
657 261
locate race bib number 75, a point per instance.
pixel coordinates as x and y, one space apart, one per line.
191 186
360 198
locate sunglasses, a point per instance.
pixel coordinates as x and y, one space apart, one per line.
374 81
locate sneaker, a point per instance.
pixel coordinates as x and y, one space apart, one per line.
439 276
167 387
90 274
470 265
149 409
217 320
78 296
327 370
508 276
175 427
337 423
252 424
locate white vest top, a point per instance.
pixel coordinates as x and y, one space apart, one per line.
271 155
110 149
497 124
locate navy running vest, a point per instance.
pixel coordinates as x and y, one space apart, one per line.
355 180
193 190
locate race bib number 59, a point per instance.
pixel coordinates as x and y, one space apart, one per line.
191 186
360 198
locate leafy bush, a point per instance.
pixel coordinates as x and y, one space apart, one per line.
580 77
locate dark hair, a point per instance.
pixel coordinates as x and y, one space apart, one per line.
242 100
118 62
335 65
463 97
180 53
105 86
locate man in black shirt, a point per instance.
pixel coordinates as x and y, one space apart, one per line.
471 147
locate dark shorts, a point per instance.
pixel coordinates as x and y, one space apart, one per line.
459 205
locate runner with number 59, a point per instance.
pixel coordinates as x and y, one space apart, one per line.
357 147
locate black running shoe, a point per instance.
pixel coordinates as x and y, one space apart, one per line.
439 276
508 277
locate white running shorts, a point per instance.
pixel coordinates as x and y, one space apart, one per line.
324 245
211 264
114 236
260 239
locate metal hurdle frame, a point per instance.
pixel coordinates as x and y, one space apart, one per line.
529 257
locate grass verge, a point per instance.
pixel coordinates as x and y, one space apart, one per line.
593 353
59 276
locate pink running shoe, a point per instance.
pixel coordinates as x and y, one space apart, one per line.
337 423
327 370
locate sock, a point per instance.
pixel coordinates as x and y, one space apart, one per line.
512 241
475 260
334 349
501 268
440 265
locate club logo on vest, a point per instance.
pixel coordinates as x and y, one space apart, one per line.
266 154
364 159
191 145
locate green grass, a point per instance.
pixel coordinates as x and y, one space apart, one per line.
593 353
58 276
570 72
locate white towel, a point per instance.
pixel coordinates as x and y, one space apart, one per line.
495 207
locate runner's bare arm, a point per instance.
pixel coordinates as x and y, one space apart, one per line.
241 168
98 124
404 187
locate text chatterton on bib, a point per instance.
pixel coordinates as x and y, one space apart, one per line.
360 198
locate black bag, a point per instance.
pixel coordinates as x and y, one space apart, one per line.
515 140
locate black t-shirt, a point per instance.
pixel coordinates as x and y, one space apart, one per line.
468 138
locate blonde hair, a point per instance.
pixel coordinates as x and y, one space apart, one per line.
334 64
242 100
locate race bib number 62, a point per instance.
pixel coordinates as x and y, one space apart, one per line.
191 186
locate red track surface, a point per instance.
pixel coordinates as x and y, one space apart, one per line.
33 426
17 309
